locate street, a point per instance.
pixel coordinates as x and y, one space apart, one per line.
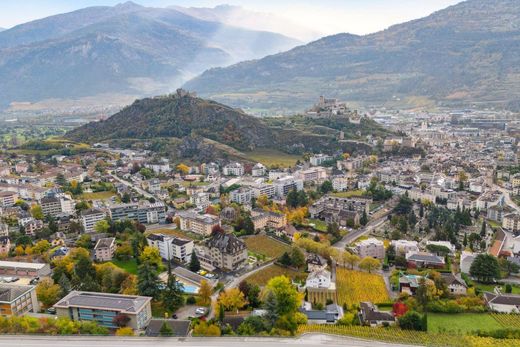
111 341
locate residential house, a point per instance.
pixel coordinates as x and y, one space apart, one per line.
285 184
258 170
104 249
371 316
329 315
511 222
199 224
320 159
89 218
402 247
456 286
8 199
424 260
502 303
17 300
233 169
371 248
171 247
242 195
223 251
409 283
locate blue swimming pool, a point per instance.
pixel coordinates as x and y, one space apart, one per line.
189 289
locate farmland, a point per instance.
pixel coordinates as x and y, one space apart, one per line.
462 323
396 335
265 245
507 320
97 196
270 158
355 286
261 277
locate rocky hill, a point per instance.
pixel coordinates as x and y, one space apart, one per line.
184 117
466 54
126 49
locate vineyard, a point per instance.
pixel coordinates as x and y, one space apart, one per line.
396 335
507 320
355 286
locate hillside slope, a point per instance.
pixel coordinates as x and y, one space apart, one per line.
467 53
182 115
125 49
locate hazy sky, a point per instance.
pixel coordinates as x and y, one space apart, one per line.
326 16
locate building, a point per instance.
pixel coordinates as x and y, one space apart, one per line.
223 251
105 248
51 206
511 221
196 223
103 308
424 260
315 174
233 169
409 283
456 286
341 183
503 303
171 247
258 170
320 159
8 199
89 218
242 195
17 300
402 247
285 184
466 259
266 189
371 248
329 315
371 316
144 214
200 199
22 269
329 202
318 279
5 245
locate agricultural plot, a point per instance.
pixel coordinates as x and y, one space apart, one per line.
461 323
270 157
262 244
396 335
507 320
261 277
354 287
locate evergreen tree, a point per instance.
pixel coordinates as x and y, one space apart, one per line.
166 330
271 307
364 218
465 241
173 293
147 280
286 259
64 283
421 211
483 230
194 263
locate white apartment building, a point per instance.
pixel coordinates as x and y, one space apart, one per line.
233 169
371 248
404 246
319 159
199 224
242 195
285 184
171 247
89 218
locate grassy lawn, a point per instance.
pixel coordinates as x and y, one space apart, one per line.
260 278
172 232
271 157
194 184
129 266
349 194
318 224
158 309
265 245
491 287
356 286
97 196
461 323
493 224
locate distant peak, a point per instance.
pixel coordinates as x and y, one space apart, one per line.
128 5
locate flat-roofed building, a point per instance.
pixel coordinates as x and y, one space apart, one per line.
103 308
199 224
16 268
17 300
89 218
8 199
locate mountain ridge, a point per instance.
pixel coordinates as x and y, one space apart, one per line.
464 54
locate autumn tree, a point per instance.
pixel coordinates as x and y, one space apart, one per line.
183 169
350 259
151 256
232 299
370 264
205 292
47 292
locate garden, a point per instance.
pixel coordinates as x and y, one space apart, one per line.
264 245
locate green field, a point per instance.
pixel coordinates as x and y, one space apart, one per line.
491 288
349 194
265 245
261 277
129 266
461 323
318 224
97 196
270 157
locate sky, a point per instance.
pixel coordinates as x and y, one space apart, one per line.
324 16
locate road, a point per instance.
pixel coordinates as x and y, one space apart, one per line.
110 341
507 197
130 185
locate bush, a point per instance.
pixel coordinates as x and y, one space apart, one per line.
411 321
191 300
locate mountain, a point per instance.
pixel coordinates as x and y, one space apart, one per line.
468 53
184 119
240 17
2 29
125 49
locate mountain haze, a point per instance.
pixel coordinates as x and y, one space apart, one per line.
125 49
467 53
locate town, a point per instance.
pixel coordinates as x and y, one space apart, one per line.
420 235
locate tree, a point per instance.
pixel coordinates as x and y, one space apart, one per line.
41 247
173 293
421 293
121 320
84 275
333 229
370 264
205 292
48 293
254 296
411 320
165 330
84 241
351 259
147 280
483 229
485 268
364 218
232 299
194 262
101 226
390 254
285 259
36 212
151 256
206 329
126 331
183 169
288 299
326 187
399 308
297 257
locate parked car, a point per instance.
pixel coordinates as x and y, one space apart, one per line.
51 310
201 311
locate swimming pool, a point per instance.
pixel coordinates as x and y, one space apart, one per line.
189 288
